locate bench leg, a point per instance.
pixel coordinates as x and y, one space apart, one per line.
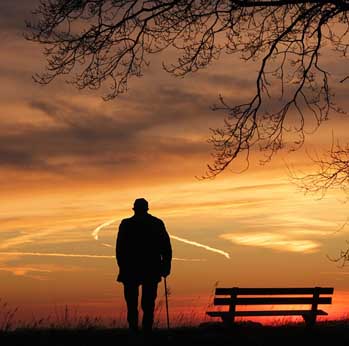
228 320
310 320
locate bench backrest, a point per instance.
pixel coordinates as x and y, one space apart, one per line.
309 295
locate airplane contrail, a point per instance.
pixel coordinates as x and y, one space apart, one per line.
194 243
189 259
108 245
54 254
99 228
186 241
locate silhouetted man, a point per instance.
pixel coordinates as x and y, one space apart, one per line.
143 254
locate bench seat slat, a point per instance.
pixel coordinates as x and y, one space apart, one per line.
273 291
272 301
266 313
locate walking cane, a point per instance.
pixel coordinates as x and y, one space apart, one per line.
166 299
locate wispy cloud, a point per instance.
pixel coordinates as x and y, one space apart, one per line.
24 239
37 271
22 270
274 241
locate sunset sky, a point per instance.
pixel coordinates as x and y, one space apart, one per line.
71 162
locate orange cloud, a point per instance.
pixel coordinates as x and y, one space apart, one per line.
279 242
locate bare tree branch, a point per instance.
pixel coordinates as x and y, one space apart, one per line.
342 258
95 42
332 171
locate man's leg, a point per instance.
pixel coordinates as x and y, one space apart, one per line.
131 297
149 291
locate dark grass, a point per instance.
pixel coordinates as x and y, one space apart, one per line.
68 328
244 334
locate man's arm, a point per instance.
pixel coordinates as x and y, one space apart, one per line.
166 250
119 248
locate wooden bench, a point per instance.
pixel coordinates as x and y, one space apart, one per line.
235 296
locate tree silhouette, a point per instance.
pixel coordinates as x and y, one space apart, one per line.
332 172
109 41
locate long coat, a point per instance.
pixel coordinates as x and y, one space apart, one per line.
143 249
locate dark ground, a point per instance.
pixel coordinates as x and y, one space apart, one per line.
245 334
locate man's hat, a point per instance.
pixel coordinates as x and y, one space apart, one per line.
140 204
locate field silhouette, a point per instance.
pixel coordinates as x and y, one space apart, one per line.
66 327
243 333
69 329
